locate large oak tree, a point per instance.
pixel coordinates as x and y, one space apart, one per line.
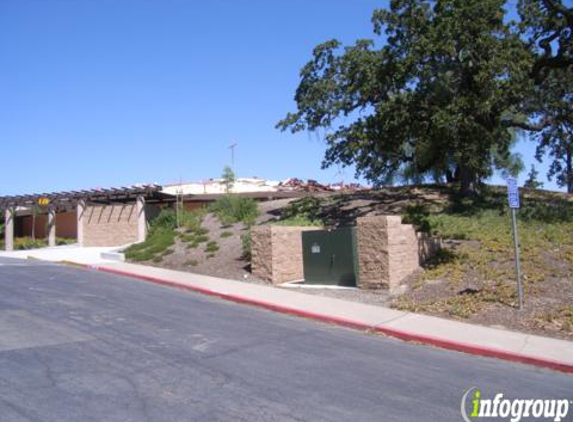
434 92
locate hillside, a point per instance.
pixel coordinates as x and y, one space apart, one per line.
472 279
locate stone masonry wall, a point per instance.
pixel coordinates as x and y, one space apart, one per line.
110 225
262 252
389 251
372 246
276 253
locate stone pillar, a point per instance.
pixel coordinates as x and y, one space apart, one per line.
372 245
80 211
51 227
9 229
141 219
388 251
276 253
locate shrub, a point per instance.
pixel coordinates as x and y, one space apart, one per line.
166 219
419 217
212 247
191 262
226 234
309 208
191 220
201 239
231 209
246 246
22 243
299 220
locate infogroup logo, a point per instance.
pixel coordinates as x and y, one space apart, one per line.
513 410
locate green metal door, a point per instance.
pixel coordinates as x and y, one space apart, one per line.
329 257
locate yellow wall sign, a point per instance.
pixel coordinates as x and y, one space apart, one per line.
43 201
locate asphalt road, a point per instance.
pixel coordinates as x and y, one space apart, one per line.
79 346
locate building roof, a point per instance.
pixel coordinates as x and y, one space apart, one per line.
151 193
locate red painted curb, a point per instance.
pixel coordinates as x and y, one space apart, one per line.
399 334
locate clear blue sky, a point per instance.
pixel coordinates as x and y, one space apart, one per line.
114 92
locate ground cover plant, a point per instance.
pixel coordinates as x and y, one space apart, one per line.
474 277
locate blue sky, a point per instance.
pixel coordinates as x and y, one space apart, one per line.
114 92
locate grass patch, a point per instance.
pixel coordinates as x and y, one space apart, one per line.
192 262
157 242
226 234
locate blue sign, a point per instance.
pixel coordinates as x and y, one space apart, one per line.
512 192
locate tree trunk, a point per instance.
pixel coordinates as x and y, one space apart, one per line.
468 181
450 176
569 172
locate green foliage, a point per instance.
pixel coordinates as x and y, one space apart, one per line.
433 97
231 209
228 178
25 243
532 182
211 247
246 246
298 220
419 217
192 262
545 225
157 242
166 219
191 220
226 234
308 208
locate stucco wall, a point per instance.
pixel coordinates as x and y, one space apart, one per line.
277 253
110 225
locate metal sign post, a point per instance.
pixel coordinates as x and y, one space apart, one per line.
513 198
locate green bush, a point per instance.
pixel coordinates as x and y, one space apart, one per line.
191 220
211 247
231 209
246 246
201 239
419 217
166 219
309 208
299 220
23 243
226 234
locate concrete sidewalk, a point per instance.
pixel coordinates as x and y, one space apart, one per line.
540 351
73 253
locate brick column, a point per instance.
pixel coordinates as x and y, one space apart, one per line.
51 227
9 229
80 211
141 220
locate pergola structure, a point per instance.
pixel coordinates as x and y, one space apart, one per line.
58 201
